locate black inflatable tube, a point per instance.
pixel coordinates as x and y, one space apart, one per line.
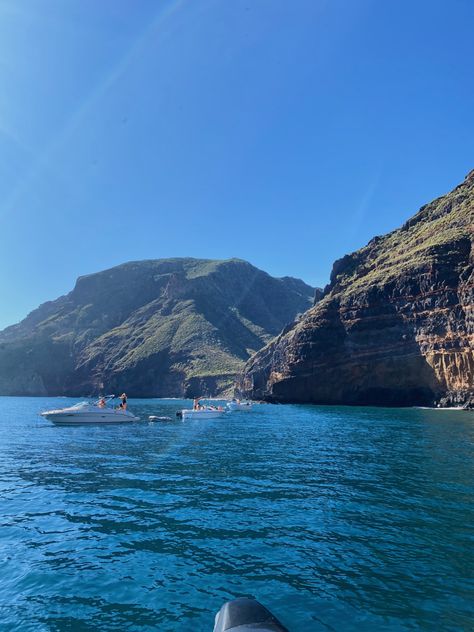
246 615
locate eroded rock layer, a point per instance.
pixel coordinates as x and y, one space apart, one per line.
395 326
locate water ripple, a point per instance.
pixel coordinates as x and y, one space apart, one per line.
336 518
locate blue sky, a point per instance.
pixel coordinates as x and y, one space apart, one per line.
284 132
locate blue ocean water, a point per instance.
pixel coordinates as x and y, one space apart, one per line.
335 518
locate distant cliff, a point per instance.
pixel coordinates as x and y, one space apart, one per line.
169 327
395 326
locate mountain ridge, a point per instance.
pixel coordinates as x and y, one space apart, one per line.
155 327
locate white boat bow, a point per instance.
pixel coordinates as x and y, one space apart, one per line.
202 413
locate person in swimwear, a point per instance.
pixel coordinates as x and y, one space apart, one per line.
123 405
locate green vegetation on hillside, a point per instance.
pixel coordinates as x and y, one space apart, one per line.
157 327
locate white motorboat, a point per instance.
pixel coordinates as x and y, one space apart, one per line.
238 405
90 413
201 413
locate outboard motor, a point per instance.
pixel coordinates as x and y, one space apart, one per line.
246 615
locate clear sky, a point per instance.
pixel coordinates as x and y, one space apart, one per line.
284 132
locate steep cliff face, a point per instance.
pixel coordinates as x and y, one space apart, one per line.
169 327
395 326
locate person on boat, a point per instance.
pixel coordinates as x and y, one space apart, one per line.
196 404
123 404
102 402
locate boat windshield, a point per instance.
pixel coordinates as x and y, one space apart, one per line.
80 405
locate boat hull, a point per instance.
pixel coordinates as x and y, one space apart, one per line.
74 419
202 414
233 406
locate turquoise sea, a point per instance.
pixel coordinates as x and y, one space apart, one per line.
335 518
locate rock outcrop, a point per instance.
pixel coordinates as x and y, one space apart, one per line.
169 327
395 326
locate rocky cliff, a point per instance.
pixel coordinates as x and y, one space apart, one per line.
169 327
395 326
